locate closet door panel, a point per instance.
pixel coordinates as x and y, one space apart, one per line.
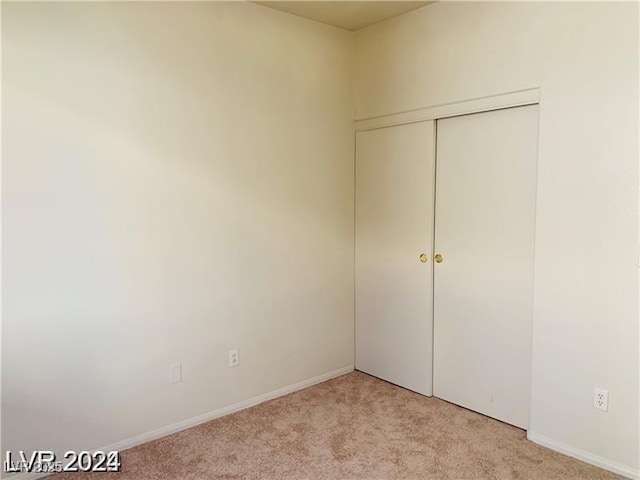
394 226
483 291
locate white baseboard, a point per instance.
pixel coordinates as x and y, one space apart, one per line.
205 417
584 456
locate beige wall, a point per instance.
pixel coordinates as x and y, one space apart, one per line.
584 58
177 182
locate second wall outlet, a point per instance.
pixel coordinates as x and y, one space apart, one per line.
175 372
601 399
234 358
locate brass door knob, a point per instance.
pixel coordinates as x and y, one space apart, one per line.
438 258
423 257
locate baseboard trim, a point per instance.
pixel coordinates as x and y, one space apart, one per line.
584 456
205 417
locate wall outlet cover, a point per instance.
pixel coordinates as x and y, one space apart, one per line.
175 372
234 357
601 399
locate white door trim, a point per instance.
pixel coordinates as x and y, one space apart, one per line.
476 105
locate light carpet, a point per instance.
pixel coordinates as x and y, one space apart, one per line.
351 427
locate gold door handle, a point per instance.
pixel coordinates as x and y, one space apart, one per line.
423 257
438 258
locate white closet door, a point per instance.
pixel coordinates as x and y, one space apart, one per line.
483 291
394 226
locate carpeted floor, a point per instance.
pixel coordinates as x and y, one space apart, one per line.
351 427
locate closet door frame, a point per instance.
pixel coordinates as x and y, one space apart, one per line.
518 98
437 112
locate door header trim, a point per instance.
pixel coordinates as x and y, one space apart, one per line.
476 105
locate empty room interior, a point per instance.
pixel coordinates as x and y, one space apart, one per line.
320 240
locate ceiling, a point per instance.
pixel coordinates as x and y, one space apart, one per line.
350 15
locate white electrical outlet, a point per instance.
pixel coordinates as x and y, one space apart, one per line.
234 358
601 399
175 372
